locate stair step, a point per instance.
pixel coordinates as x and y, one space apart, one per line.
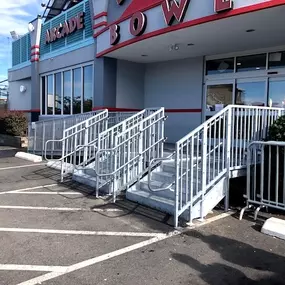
91 181
151 200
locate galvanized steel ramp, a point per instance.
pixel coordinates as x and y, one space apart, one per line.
193 179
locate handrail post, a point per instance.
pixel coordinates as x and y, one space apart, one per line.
86 142
229 139
204 168
176 202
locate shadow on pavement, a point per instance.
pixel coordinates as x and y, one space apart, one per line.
237 253
8 152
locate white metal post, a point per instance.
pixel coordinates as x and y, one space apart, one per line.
228 155
204 168
86 142
176 214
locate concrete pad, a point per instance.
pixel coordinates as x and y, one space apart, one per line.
274 227
29 156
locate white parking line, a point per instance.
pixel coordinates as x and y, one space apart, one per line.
92 261
59 209
87 233
29 188
22 166
32 268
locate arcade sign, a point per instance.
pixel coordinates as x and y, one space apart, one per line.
64 29
172 10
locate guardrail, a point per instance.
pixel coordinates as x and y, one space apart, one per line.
52 129
131 150
265 176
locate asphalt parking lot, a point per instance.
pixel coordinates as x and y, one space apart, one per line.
59 234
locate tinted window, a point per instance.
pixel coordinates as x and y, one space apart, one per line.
251 62
219 66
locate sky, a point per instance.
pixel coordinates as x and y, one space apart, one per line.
14 16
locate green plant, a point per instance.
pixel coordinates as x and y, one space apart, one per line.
276 131
13 123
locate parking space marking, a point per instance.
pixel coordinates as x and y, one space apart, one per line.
74 232
29 188
22 166
98 259
32 268
59 209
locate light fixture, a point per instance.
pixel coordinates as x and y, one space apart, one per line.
31 27
250 30
144 55
14 35
23 89
190 44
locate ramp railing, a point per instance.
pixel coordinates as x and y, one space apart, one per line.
80 142
52 129
265 176
222 143
125 151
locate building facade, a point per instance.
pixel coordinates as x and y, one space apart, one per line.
192 57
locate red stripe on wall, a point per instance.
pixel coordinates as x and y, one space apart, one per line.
27 111
35 46
113 109
103 14
35 53
100 25
203 20
139 5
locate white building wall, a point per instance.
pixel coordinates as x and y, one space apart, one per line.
176 85
18 100
130 85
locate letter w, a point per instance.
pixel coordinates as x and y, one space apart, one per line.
174 10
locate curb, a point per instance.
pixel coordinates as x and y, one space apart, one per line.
29 156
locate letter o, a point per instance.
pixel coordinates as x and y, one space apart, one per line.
138 24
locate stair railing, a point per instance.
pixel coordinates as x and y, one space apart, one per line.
52 129
75 150
133 149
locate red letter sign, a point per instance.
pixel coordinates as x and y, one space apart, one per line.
223 5
138 24
173 10
114 34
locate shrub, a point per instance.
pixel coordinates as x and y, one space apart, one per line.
13 123
277 130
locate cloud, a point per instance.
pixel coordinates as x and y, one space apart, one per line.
15 14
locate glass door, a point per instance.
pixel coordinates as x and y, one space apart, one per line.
218 95
251 92
276 92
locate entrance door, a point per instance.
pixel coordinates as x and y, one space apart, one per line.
276 92
218 94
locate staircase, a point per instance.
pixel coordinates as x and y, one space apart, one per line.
123 151
194 178
186 181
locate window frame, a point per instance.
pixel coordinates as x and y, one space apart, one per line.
61 71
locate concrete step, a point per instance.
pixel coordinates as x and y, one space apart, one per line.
91 181
151 200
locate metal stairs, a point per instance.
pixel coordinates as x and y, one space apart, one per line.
163 199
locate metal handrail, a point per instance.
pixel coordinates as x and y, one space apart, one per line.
114 149
46 143
151 165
